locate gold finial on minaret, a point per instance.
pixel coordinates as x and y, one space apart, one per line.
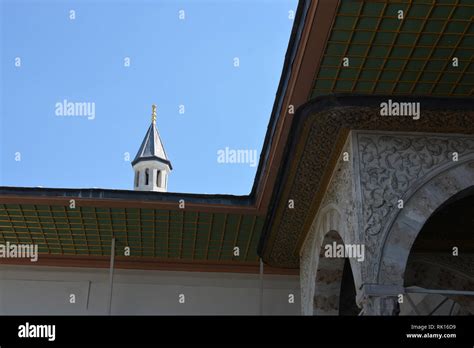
153 113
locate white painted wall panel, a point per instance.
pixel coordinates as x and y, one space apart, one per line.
45 290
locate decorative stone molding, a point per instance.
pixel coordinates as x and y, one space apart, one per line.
308 272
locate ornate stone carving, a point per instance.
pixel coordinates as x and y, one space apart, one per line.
340 193
390 164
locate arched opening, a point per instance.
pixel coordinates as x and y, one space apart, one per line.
158 178
440 260
334 291
427 197
347 302
147 176
137 178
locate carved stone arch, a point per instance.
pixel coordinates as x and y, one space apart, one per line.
328 217
328 278
421 201
320 277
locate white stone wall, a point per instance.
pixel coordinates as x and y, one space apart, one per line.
36 290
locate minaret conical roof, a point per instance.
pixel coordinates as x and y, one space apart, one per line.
152 146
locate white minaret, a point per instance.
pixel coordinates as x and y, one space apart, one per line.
151 165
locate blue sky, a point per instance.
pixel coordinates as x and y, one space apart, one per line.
173 62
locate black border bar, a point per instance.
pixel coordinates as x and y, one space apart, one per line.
141 330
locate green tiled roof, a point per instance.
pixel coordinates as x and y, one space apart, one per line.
164 234
392 56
